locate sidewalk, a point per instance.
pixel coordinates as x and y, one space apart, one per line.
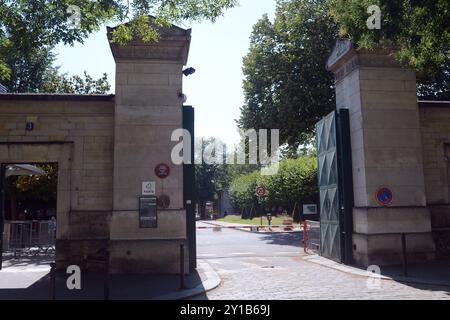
31 282
435 273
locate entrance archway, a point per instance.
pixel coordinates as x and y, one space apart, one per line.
41 152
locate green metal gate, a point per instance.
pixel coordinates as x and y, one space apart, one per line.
335 186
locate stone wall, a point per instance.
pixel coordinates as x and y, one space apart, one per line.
380 95
149 108
435 129
106 147
75 131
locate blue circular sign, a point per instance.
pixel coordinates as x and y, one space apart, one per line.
384 196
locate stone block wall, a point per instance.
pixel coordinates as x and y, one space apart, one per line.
148 110
76 132
435 130
386 145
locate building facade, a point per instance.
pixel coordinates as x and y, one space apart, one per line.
109 148
398 144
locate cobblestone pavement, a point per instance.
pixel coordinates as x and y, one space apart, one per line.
271 267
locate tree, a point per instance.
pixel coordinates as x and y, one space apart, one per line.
27 69
34 192
33 71
210 178
418 31
286 84
295 182
42 23
54 82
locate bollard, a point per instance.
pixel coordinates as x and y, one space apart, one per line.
305 236
182 275
106 278
405 260
52 286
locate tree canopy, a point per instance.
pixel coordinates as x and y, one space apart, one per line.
295 182
417 30
286 84
34 71
26 24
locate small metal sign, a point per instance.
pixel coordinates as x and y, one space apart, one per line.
260 191
162 171
148 188
148 212
384 196
29 126
163 201
309 209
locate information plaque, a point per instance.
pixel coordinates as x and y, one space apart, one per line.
148 212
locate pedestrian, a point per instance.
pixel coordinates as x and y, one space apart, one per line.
52 227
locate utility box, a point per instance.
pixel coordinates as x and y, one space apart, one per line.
148 212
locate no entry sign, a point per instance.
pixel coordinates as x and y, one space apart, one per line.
260 192
384 196
162 171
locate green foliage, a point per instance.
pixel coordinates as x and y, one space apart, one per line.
242 190
62 83
418 31
295 182
36 191
210 179
44 23
32 70
286 84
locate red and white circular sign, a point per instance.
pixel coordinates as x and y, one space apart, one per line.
260 191
162 171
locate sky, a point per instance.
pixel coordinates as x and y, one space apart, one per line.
215 90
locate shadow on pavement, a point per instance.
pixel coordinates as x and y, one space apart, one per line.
122 287
292 238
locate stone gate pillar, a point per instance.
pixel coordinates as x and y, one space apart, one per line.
148 108
386 152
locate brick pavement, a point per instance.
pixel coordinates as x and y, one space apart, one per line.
282 278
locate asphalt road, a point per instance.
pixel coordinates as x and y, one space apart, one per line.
271 267
226 243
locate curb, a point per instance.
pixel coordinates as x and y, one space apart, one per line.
212 281
362 273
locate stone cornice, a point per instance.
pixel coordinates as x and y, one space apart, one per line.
173 45
345 58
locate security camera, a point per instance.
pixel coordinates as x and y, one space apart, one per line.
188 71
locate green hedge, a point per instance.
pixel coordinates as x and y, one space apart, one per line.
295 182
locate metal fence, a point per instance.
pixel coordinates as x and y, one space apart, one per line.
27 235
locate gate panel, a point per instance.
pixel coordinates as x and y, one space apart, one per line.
328 176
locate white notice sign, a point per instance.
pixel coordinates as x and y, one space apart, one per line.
148 188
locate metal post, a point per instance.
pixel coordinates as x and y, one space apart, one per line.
405 260
182 275
52 285
305 236
106 278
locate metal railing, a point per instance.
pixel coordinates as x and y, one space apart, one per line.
26 235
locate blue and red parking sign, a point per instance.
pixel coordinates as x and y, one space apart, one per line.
384 196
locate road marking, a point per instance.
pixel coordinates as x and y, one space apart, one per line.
208 255
24 270
242 253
